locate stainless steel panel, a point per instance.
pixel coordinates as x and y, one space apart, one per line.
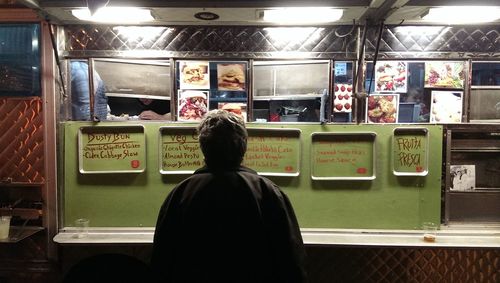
203 41
436 42
474 206
337 42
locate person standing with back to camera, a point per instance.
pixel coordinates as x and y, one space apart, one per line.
225 223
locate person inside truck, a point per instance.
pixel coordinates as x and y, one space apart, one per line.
80 93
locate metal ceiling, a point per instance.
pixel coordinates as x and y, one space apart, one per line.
245 12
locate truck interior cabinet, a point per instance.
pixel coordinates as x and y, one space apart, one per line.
472 185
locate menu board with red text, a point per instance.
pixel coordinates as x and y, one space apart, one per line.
180 150
273 152
343 156
112 149
410 148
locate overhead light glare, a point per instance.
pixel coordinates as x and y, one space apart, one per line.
302 15
121 15
463 14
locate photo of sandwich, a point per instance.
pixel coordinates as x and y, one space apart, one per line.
193 105
194 75
236 108
231 76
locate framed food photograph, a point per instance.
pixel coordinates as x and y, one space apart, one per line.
342 101
443 74
231 77
194 75
382 108
239 109
192 105
446 106
391 76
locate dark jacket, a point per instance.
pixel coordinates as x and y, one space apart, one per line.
231 226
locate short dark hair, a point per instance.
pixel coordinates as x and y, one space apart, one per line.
223 139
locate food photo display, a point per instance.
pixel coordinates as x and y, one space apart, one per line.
382 108
239 109
193 105
231 77
446 106
194 75
391 76
342 101
444 74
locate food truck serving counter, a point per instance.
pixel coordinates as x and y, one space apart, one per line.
446 237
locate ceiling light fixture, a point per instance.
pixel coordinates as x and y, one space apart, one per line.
120 15
206 16
462 14
305 15
95 5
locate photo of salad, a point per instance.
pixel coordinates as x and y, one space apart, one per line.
446 107
391 76
193 105
382 108
444 74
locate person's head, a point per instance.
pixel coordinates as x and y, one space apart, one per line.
223 139
146 101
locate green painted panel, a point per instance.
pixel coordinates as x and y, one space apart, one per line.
387 202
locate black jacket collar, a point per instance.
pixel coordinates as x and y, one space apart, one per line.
205 169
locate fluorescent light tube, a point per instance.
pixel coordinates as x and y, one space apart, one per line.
121 15
463 14
302 15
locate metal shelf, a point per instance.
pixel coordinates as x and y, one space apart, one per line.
479 150
229 99
17 234
477 191
289 97
137 95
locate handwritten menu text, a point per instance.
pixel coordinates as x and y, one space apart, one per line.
410 151
273 154
180 150
110 149
268 152
342 156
